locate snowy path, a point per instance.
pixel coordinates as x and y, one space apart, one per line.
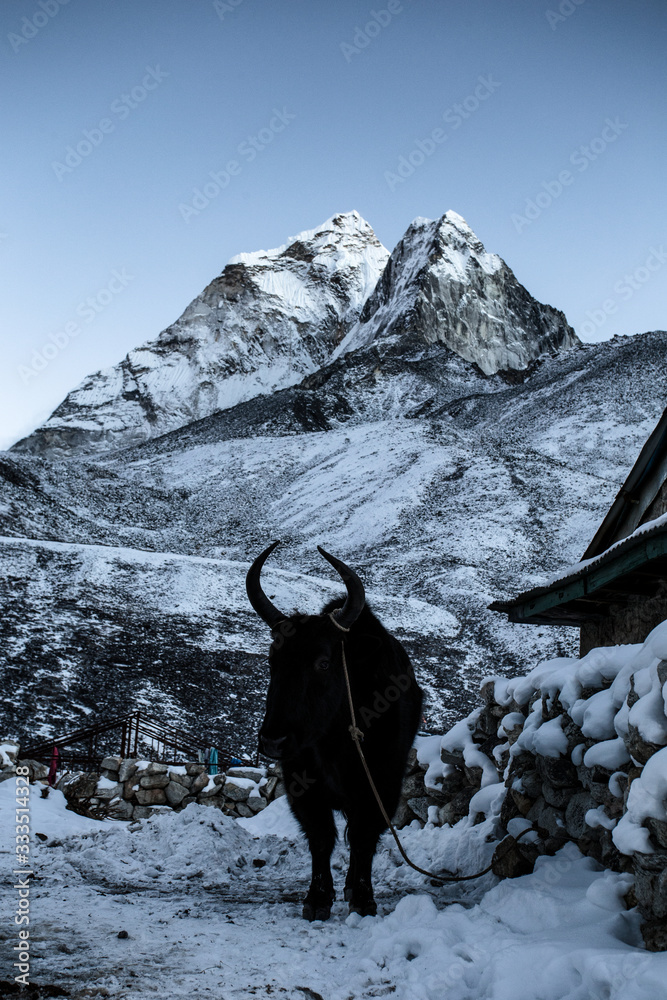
212 911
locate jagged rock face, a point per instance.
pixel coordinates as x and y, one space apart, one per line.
441 284
270 318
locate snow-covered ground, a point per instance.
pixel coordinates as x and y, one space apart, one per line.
211 908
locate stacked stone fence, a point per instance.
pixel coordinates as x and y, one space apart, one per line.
136 789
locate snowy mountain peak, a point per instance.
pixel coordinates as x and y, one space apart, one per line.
441 284
270 318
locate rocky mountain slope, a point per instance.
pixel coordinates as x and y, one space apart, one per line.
267 320
444 486
441 283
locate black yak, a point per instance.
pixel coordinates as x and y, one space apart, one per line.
307 727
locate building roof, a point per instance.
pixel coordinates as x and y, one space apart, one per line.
626 557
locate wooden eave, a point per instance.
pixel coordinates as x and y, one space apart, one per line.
635 567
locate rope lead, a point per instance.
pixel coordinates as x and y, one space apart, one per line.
357 736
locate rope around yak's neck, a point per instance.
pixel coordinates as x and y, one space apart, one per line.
357 737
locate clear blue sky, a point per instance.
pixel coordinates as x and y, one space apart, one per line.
181 85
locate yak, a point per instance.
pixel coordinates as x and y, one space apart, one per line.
307 727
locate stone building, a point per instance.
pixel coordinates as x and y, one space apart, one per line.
618 592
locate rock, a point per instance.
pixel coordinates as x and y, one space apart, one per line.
126 769
522 802
151 796
154 781
657 828
269 788
575 814
175 792
403 815
256 803
111 764
83 785
454 757
194 769
243 810
36 768
235 791
531 784
413 785
640 750
200 781
114 791
120 810
155 768
412 764
547 819
419 807
181 779
187 800
130 787
558 797
253 773
654 933
556 771
509 862
651 884
141 812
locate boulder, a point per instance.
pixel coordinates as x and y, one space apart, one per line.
111 764
237 791
175 792
575 815
419 807
256 803
547 819
200 781
640 750
126 769
154 781
151 796
121 810
195 769
81 785
108 792
556 771
243 810
253 773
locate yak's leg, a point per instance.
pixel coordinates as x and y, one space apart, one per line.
363 835
316 819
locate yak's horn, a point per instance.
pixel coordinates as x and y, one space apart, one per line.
267 611
356 598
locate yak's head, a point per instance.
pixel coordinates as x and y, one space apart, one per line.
307 687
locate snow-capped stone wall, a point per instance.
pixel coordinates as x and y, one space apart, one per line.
574 751
136 789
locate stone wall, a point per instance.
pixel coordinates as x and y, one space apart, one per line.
560 751
136 789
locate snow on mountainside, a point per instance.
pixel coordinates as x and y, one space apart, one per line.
267 320
443 487
441 283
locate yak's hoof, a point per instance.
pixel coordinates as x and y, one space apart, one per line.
368 909
312 912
